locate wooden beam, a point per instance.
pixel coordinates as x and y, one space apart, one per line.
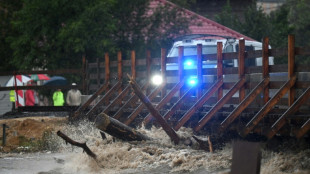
199 103
244 104
107 72
119 69
199 69
165 100
303 130
84 71
163 62
133 64
181 66
98 72
107 67
265 59
219 68
117 129
219 104
170 132
148 67
75 143
291 110
268 106
241 66
291 65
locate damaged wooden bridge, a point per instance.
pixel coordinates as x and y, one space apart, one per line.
267 100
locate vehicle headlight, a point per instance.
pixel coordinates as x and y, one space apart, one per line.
157 80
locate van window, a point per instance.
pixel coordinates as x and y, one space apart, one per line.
247 48
229 49
192 50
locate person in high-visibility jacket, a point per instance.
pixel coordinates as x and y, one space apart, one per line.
58 98
12 99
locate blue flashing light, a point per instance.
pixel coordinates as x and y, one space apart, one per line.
188 64
192 81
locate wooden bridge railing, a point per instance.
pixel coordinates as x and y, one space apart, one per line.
248 88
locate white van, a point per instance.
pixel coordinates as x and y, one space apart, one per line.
209 46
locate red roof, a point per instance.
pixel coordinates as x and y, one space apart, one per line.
202 25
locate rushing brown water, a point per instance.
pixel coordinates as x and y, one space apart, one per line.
161 156
154 157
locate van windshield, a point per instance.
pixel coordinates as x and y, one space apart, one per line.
192 50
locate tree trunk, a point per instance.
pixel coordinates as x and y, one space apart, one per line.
118 129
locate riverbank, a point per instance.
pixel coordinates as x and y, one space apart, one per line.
29 133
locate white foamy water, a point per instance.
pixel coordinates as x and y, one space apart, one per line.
156 156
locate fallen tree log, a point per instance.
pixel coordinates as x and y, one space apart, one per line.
117 129
74 143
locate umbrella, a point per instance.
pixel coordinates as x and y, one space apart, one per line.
55 80
20 79
37 77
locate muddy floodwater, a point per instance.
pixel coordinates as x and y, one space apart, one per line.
154 157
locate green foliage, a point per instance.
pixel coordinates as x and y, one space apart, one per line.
290 18
256 23
227 18
299 18
7 7
280 27
56 34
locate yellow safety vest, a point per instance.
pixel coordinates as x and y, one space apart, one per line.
12 96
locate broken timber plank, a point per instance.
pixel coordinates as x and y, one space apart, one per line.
244 104
199 104
268 106
292 109
220 104
170 132
74 143
117 129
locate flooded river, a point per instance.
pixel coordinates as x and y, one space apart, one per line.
154 157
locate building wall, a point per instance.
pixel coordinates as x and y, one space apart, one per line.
269 5
5 104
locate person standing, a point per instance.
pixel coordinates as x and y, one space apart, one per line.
58 98
12 99
74 97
